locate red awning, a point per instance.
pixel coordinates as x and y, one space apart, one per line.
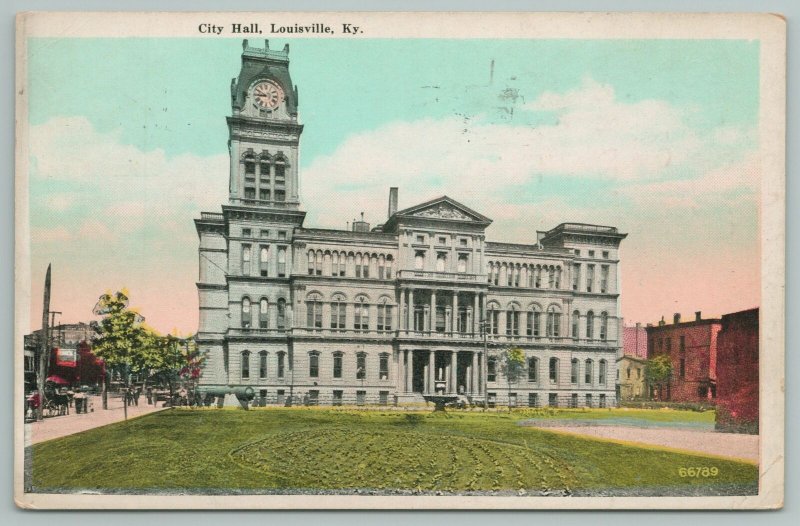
57 380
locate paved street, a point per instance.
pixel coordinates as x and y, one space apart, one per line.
729 445
59 426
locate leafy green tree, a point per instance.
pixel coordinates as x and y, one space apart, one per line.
657 370
512 364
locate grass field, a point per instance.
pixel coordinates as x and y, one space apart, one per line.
324 449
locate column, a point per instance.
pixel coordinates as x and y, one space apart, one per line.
454 317
474 372
454 372
432 326
410 317
431 372
400 305
476 314
410 371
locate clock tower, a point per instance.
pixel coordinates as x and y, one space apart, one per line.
264 134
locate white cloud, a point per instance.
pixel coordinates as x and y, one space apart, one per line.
590 135
60 202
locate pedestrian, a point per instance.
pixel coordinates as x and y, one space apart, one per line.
136 392
149 396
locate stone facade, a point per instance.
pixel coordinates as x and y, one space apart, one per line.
631 378
386 314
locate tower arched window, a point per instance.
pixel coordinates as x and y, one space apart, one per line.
263 260
604 326
601 377
262 364
534 327
247 315
589 372
590 325
533 369
553 370
573 371
313 364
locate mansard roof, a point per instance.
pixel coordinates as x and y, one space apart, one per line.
442 208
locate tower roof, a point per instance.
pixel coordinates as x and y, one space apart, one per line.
263 63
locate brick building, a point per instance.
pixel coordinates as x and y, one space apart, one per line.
634 341
692 348
737 372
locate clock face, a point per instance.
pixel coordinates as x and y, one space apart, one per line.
267 95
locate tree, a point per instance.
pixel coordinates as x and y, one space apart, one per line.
657 369
512 364
121 337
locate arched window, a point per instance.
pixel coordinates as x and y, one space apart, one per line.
558 278
361 366
361 317
245 365
441 261
553 373
491 369
337 364
601 378
281 364
263 314
603 326
419 260
358 265
589 372
533 369
264 171
384 315
389 261
553 322
512 321
382 267
538 280
313 364
280 172
314 311
573 371
263 258
245 260
590 325
262 364
493 314
311 260
249 165
281 314
338 309
247 315
534 322
576 316
383 366
281 262
509 274
490 272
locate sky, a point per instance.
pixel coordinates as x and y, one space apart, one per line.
128 143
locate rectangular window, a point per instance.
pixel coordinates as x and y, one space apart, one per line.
576 275
245 365
281 262
512 399
441 262
282 234
533 370
249 192
491 373
337 397
577 252
280 173
573 374
263 194
533 399
682 344
491 398
605 254
361 366
262 365
361 397
462 263
494 322
245 260
602 400
421 240
337 315
573 400
384 317
589 401
552 400
337 365
462 241
440 319
604 279
589 278
442 241
553 372
280 195
262 395
281 397
314 315
313 397
553 324
602 375
591 253
383 368
264 233
281 364
313 365
247 232
383 397
419 260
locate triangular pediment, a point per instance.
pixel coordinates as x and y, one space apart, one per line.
445 208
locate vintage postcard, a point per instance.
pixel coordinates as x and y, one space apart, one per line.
400 260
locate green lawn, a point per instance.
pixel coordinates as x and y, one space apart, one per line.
203 450
651 415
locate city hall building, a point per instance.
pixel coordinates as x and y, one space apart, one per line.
422 303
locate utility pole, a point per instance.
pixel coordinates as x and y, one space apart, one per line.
484 364
44 351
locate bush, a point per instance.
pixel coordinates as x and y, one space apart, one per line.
683 406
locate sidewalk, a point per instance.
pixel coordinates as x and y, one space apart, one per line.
60 426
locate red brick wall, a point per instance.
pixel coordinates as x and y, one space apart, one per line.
700 340
737 370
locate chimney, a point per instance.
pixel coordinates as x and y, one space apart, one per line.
661 322
676 318
392 201
638 325
697 315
